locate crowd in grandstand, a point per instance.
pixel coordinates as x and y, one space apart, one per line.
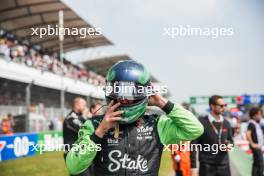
24 53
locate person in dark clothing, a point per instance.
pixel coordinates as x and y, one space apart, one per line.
255 138
71 125
51 125
217 132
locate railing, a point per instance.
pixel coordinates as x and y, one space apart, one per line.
49 113
18 72
14 110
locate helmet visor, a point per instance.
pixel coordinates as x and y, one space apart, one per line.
120 90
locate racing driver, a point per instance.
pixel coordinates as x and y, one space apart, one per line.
127 140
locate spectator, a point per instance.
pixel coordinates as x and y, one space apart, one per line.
181 159
12 122
32 107
51 125
24 54
6 127
4 49
217 131
255 137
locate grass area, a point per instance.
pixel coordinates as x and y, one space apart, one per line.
52 164
48 164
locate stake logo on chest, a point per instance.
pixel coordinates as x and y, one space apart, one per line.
125 162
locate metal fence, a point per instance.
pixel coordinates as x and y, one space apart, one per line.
49 113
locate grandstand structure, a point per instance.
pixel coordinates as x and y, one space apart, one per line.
30 70
101 65
37 84
19 16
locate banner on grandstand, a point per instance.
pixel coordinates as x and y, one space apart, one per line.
205 99
241 100
17 145
250 99
22 144
49 141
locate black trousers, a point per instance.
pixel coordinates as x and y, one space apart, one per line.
214 170
257 167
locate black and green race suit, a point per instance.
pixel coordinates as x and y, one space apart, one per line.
138 149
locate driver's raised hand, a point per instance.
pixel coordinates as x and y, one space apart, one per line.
110 119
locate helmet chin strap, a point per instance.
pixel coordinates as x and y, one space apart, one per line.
116 133
100 108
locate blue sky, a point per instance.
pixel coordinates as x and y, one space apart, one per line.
194 65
